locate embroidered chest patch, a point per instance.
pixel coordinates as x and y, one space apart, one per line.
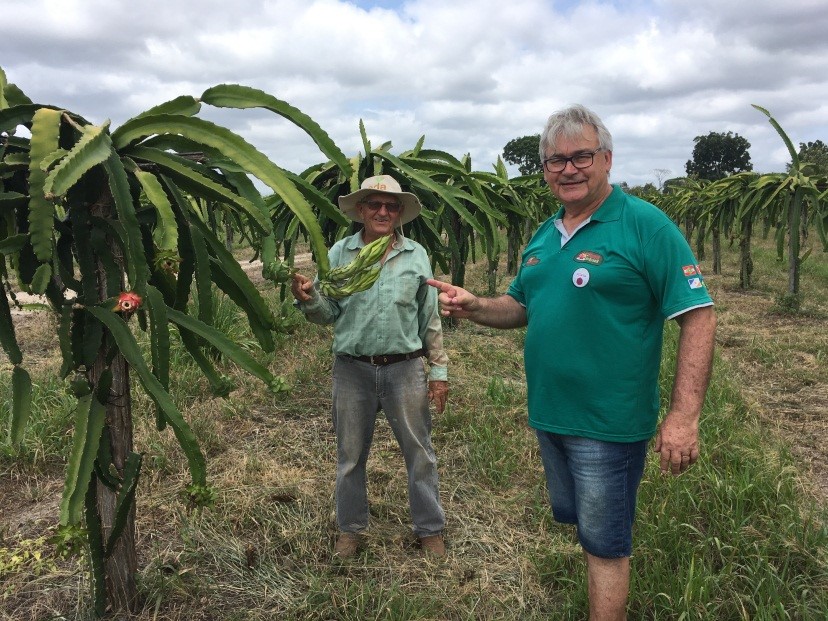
587 256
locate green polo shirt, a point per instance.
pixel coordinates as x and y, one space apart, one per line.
596 309
397 315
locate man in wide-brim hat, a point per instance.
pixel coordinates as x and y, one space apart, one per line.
388 355
352 204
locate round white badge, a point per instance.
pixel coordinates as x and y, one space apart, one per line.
580 277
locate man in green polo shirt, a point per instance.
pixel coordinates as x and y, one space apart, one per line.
596 283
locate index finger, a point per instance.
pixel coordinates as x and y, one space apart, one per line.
444 287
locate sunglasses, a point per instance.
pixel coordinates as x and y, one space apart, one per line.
390 207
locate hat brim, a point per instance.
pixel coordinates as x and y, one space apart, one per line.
410 203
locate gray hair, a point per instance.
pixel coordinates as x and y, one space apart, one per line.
569 123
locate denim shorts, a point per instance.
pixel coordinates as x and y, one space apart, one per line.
593 484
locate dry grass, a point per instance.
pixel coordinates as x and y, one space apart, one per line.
780 359
263 550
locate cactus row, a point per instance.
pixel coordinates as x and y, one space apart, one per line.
358 275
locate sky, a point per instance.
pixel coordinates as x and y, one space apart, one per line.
469 75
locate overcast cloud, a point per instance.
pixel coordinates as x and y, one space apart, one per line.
469 75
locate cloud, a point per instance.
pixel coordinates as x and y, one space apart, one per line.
469 75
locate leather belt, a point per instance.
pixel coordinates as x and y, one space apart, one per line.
384 359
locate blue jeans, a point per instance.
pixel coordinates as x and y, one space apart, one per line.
360 390
593 484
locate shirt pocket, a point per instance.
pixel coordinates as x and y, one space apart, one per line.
405 289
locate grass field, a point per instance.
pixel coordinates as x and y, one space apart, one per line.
742 535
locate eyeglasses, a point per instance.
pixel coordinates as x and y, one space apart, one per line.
390 207
579 161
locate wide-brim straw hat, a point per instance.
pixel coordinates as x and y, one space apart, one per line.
387 185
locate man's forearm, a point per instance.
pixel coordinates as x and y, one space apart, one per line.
503 312
694 361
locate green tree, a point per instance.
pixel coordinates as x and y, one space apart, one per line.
814 153
525 153
642 191
718 155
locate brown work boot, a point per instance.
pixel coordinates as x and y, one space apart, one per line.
433 545
346 546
